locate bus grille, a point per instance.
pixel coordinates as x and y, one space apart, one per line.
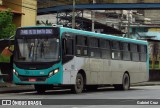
38 78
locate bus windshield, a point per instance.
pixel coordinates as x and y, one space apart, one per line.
37 50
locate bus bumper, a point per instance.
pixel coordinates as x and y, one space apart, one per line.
29 80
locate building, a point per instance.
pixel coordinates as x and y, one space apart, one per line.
119 19
25 11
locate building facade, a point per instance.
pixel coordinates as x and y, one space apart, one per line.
27 11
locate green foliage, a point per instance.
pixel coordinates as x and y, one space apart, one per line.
7 28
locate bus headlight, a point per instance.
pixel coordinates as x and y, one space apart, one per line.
16 73
53 72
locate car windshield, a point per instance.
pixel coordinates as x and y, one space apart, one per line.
37 50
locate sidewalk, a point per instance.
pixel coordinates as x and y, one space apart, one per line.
8 87
149 83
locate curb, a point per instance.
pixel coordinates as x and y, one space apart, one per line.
10 85
4 84
146 84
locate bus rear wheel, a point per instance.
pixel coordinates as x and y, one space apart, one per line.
78 87
125 83
40 89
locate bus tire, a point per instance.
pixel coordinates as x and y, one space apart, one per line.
125 83
78 87
40 89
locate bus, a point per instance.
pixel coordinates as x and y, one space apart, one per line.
48 57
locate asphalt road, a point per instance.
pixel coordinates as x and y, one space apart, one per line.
134 95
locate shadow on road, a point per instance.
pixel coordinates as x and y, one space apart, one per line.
29 90
66 91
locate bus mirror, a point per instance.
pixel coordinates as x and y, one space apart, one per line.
9 40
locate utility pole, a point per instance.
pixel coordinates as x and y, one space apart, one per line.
93 16
73 14
129 23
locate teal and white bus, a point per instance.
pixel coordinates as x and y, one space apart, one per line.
65 57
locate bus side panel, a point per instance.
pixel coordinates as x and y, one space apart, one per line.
104 71
100 71
69 72
83 63
141 75
137 71
117 71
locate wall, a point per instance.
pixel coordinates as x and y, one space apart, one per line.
0 2
154 29
154 15
13 4
27 7
30 10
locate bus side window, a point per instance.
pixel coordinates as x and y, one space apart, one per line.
116 53
69 47
134 52
143 55
105 49
81 45
126 51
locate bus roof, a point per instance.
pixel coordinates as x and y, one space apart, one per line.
106 36
93 34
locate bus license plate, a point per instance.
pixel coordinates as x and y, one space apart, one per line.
32 79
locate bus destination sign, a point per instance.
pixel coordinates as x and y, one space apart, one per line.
36 31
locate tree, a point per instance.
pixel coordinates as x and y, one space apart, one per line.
7 28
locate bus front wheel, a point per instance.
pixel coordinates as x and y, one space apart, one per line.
125 83
78 87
